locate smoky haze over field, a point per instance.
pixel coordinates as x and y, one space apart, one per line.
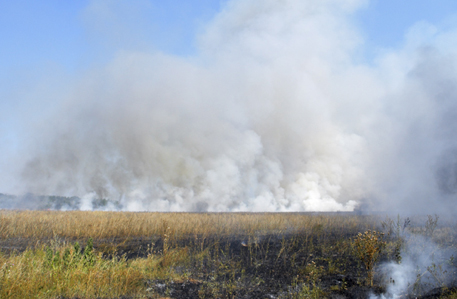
278 111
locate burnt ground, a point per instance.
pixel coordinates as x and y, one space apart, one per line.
320 265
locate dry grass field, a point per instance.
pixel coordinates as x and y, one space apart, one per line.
80 224
76 254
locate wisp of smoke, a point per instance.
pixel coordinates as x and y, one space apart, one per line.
276 112
424 266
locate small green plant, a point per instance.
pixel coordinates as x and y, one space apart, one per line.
308 292
313 272
368 247
309 289
54 259
342 286
89 256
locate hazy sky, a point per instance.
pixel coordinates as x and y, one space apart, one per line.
63 57
74 35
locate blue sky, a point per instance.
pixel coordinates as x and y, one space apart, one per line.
36 33
385 22
65 32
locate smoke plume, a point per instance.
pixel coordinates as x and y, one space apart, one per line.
277 111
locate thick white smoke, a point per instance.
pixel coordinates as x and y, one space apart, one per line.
275 113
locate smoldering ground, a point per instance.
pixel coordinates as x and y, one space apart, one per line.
277 111
424 264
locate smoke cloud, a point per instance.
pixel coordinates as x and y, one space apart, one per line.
276 112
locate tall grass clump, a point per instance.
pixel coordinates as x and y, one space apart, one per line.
70 272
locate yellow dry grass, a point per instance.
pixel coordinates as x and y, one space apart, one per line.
29 275
99 225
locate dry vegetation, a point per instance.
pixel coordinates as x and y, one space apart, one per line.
99 225
50 254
